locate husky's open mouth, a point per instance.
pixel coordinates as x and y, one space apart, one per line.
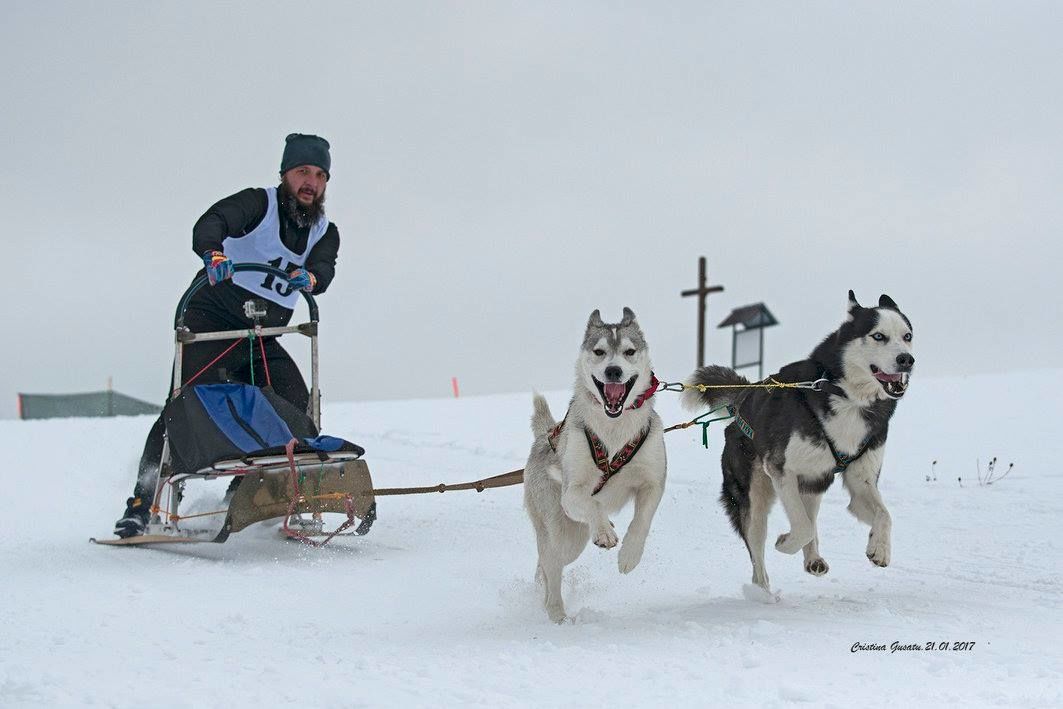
614 394
894 384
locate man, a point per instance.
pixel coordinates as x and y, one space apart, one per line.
284 227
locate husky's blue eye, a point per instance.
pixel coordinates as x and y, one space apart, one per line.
629 353
878 336
907 337
599 353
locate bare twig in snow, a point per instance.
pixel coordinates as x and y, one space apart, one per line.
1003 475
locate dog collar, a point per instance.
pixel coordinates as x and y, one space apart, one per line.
646 395
829 387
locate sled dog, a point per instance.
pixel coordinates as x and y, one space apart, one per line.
791 443
608 450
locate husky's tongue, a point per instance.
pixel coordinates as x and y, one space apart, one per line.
883 377
614 393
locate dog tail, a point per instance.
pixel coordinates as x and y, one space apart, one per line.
542 421
713 375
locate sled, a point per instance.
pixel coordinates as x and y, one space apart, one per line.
265 493
281 466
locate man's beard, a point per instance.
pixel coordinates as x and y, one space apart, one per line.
304 216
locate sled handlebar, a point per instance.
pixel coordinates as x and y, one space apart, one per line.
179 316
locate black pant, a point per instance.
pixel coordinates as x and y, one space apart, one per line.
238 365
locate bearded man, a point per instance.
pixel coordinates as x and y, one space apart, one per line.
284 227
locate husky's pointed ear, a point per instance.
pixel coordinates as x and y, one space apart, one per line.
595 320
852 307
884 301
629 317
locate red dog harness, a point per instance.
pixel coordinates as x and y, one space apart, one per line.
609 467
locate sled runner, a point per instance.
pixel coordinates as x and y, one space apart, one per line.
280 464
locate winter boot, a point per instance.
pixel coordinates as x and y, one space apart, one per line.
135 520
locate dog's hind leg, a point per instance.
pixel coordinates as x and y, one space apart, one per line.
542 500
814 563
539 497
540 542
755 524
646 500
785 484
567 541
552 568
548 568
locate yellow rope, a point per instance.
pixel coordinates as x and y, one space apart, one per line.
772 384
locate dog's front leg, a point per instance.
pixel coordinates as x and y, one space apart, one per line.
801 531
578 504
867 506
646 500
814 563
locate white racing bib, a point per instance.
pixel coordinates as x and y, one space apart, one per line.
263 245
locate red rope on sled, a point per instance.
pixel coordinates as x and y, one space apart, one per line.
265 365
211 363
348 504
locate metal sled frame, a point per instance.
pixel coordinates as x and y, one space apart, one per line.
269 490
272 486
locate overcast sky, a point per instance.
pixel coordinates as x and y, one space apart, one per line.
502 169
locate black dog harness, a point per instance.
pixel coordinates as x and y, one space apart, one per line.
842 460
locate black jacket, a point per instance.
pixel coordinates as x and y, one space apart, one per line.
236 216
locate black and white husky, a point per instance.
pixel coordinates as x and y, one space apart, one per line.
790 443
608 450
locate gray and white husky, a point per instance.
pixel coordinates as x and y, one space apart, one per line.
608 450
789 444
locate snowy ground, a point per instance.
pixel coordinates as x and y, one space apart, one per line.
436 607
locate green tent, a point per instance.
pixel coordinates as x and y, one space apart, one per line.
96 403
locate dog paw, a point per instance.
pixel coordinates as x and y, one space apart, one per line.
817 567
556 613
791 543
878 549
760 593
606 538
630 556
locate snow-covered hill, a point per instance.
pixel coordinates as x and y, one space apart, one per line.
436 607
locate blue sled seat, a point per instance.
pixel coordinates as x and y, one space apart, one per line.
208 424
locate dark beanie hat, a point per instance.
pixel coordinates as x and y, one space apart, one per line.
300 149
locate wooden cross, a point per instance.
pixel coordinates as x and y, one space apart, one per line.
702 292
